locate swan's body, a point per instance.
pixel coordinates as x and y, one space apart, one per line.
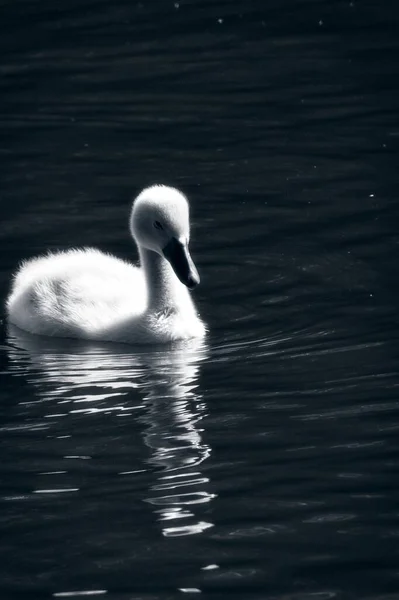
91 295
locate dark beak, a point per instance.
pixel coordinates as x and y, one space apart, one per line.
178 256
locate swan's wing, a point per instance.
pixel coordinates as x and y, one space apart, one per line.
76 291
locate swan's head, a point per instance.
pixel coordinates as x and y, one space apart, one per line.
160 222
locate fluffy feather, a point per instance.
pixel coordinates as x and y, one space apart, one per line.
87 294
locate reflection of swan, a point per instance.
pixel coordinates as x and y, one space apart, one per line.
174 412
90 295
81 380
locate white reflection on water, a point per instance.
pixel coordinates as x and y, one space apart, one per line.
85 379
174 412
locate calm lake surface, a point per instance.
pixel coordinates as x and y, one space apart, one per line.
262 464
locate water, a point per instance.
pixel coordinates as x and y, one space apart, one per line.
263 463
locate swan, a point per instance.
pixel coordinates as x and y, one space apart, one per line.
85 293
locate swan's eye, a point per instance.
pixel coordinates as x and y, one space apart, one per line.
157 225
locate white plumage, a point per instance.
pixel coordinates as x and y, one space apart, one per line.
87 294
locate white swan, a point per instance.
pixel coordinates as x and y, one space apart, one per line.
87 294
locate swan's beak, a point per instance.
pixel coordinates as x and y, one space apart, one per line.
177 254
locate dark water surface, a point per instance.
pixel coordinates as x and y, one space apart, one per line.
261 464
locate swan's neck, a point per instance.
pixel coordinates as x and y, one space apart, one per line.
164 289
